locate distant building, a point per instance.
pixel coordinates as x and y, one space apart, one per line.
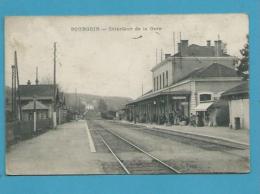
186 83
238 100
89 107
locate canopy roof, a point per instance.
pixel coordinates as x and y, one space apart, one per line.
162 93
39 106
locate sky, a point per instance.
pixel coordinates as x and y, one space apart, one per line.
95 55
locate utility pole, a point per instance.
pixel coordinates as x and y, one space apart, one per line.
54 87
37 80
173 39
76 99
14 93
54 72
180 46
180 51
156 59
18 86
174 52
142 88
76 103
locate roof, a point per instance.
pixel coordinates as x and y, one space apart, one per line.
39 106
219 104
151 95
237 90
213 70
41 90
195 50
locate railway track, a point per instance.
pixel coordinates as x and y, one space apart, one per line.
144 162
209 143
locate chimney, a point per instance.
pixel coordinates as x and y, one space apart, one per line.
36 80
208 43
184 47
217 48
28 82
167 55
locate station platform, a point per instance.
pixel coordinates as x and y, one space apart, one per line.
240 136
65 150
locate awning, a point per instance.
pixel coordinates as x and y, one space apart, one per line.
179 94
203 106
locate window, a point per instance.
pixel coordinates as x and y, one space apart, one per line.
154 83
166 78
163 80
157 83
43 115
205 97
160 81
30 116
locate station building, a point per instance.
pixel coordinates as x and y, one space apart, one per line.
40 98
185 84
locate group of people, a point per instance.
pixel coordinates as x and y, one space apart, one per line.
173 118
163 118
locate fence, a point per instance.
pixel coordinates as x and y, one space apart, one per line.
10 136
24 129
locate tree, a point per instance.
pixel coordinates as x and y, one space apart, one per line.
102 106
243 62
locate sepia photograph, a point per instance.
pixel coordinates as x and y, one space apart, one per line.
127 94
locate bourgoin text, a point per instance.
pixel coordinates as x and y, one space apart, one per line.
113 29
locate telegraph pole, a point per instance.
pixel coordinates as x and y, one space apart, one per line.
173 39
18 86
180 51
156 60
142 88
37 80
54 87
13 92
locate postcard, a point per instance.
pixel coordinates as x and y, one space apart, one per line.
139 94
